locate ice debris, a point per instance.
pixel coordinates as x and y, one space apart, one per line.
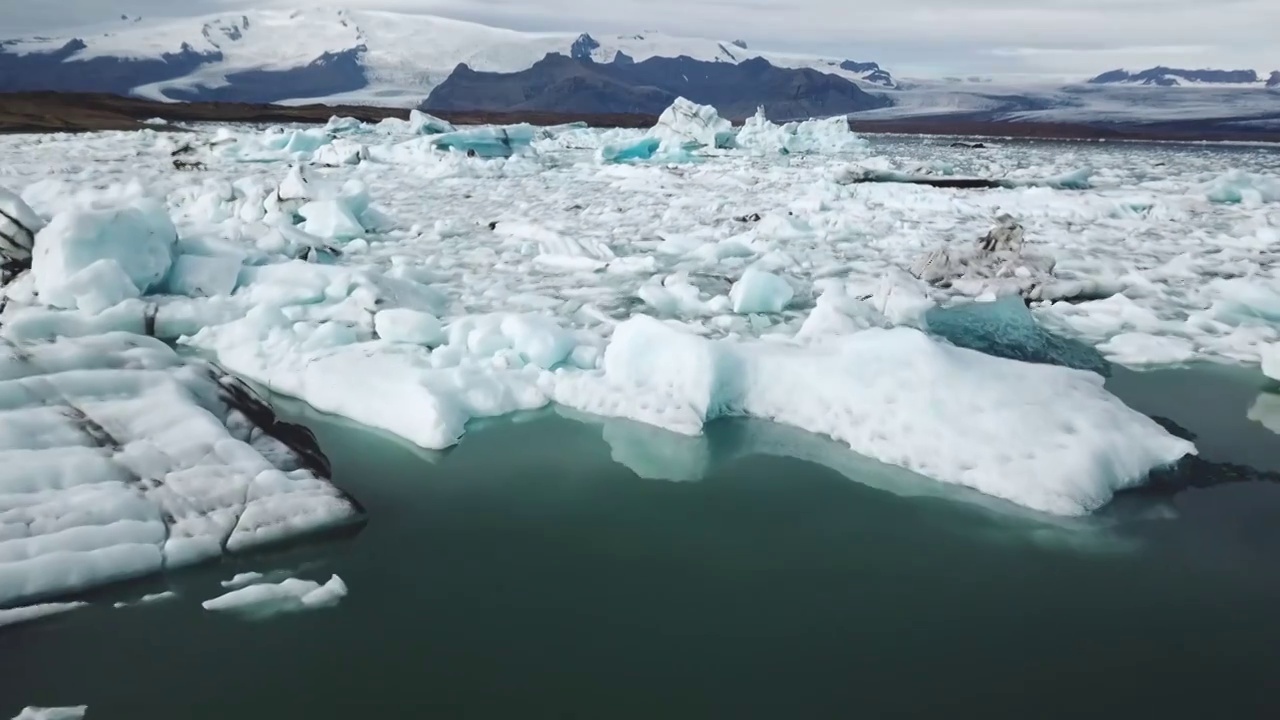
895 395
996 263
1005 328
291 595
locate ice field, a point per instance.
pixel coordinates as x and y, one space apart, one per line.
412 277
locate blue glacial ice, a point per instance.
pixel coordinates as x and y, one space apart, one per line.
1005 328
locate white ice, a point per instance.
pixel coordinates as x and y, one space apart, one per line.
480 286
120 459
14 616
75 712
290 595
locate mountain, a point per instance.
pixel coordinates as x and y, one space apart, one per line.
335 56
578 84
1174 77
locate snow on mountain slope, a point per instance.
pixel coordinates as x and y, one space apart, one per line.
402 57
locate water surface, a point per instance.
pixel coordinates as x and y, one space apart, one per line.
528 573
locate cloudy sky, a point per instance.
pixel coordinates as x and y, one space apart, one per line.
921 37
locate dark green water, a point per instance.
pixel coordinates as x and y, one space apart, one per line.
527 574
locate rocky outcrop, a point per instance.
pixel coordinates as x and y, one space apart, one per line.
870 72
1172 77
561 83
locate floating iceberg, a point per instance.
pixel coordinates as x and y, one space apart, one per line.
688 126
758 291
488 142
123 252
1049 438
76 712
1005 328
121 459
830 135
291 595
421 123
1271 361
1243 188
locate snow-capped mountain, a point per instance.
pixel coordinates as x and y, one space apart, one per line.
1175 77
334 56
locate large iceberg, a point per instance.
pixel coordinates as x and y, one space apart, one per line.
688 126
829 135
121 459
18 226
1048 438
122 252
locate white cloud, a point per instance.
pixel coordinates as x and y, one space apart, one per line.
952 36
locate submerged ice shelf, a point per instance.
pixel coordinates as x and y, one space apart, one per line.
384 273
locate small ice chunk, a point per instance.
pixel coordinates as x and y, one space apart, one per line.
13 616
291 595
242 580
138 237
150 599
639 149
330 219
409 326
76 712
1005 328
1266 411
202 276
1243 188
1140 349
1271 361
758 291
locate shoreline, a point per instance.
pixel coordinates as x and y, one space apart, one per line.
52 112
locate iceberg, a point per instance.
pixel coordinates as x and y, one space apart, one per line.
688 126
1271 360
758 291
421 123
129 248
488 142
829 135
1049 438
1238 187
122 459
291 595
1005 328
